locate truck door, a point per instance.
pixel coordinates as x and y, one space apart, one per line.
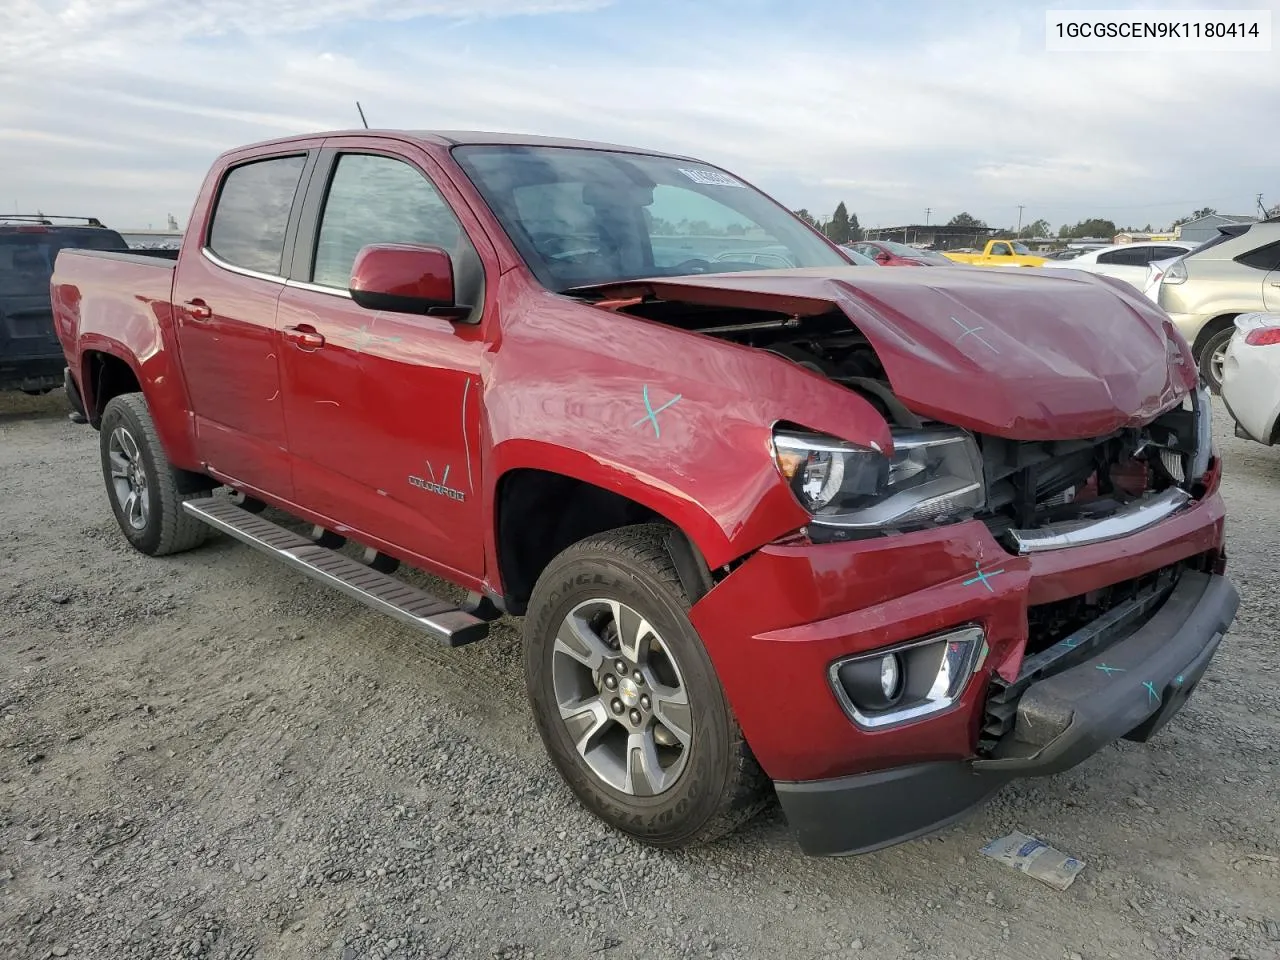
383 409
225 291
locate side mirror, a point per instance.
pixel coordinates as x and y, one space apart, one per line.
405 278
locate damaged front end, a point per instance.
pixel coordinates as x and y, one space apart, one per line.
1043 495
1033 495
1095 438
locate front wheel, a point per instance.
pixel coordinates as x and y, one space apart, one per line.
626 699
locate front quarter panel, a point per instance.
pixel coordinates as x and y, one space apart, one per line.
674 420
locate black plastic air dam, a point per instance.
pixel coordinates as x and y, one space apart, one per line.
868 811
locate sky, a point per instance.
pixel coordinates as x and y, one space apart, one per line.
115 108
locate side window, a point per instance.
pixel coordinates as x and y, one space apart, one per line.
1165 253
1128 257
375 199
1001 250
1263 258
1114 258
252 213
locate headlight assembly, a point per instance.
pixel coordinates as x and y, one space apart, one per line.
933 475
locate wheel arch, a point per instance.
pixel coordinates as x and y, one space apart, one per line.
106 371
538 511
1211 329
107 368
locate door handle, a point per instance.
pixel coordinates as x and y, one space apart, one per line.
198 310
304 336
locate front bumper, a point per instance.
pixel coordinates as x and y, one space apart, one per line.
776 624
1066 712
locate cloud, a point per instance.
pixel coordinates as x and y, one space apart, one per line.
35 29
876 106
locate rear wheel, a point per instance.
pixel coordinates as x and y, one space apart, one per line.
626 699
145 490
1213 355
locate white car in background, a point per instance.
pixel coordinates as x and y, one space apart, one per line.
1251 376
1125 261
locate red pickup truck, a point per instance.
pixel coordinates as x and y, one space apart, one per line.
880 540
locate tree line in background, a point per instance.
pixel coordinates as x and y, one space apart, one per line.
843 226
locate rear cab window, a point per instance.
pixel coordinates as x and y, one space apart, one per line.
251 216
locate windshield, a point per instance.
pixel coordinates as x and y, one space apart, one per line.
27 256
1021 249
581 217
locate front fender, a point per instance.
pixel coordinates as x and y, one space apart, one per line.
677 421
764 511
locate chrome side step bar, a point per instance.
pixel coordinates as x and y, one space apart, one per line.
1138 515
441 620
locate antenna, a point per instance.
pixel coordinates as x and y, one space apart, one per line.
362 119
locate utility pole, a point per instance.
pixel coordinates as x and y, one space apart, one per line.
1019 230
1261 207
927 211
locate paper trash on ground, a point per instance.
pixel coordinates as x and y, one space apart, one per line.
1036 858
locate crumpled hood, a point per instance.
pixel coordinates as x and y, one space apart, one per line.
1017 352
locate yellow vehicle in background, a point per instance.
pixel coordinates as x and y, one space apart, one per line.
999 253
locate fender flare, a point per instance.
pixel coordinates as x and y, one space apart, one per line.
702 543
162 389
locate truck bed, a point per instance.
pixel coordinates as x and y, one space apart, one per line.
98 295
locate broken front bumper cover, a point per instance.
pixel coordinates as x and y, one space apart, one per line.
1127 689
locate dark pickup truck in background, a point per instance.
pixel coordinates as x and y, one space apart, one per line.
880 539
30 356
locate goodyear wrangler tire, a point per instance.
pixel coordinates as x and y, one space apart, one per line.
626 699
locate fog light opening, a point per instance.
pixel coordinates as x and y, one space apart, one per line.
912 680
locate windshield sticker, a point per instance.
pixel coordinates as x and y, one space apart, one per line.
712 178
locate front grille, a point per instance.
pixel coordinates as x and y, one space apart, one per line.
1066 632
1031 482
1034 483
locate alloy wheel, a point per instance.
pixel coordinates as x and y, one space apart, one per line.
129 478
622 697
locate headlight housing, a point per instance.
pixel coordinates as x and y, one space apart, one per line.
933 475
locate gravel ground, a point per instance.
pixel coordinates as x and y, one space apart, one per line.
209 756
